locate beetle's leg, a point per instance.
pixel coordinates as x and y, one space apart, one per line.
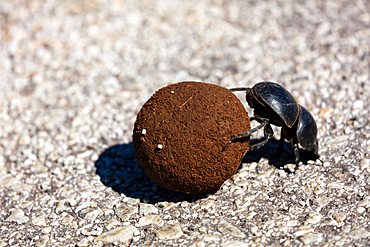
280 148
258 145
295 149
249 132
268 135
315 151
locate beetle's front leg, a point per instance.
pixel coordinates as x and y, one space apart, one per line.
268 132
265 121
246 89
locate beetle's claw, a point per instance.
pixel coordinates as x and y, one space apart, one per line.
234 138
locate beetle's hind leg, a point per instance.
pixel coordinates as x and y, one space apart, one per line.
296 151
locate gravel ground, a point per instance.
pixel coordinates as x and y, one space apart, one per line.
74 74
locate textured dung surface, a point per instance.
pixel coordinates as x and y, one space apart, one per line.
194 123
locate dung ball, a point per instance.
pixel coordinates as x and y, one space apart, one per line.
182 136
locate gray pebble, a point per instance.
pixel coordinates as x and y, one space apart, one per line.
226 228
365 163
121 234
171 231
18 217
92 213
39 221
42 242
150 220
236 244
124 212
311 238
112 223
359 233
146 209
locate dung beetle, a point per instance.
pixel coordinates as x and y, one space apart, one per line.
273 104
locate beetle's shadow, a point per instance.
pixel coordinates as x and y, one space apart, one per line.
118 168
269 151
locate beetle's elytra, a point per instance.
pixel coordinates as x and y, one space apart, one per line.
273 104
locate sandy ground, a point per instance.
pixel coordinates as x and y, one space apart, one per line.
74 74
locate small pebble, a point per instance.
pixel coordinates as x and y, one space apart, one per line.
311 238
125 212
171 231
359 233
121 234
18 217
226 228
150 220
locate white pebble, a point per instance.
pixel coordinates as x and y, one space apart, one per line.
143 131
365 163
160 146
360 210
358 104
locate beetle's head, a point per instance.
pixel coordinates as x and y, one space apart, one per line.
307 130
315 149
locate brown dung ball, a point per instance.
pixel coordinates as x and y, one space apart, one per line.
182 133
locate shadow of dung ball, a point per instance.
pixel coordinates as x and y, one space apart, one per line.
182 132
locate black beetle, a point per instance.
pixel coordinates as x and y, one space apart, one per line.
273 104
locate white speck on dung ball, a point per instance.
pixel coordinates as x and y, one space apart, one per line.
160 146
143 131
